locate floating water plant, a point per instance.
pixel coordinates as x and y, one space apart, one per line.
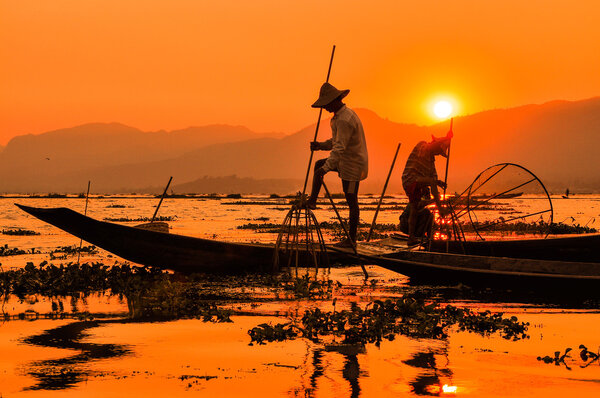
19 231
384 320
63 252
141 219
587 357
14 251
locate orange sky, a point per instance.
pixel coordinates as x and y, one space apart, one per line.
171 64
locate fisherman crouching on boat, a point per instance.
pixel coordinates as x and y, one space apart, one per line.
348 154
419 175
424 217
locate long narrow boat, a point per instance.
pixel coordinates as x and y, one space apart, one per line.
169 251
448 268
572 248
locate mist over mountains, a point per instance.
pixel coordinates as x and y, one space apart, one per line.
556 140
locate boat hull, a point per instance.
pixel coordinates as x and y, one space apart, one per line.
168 251
450 269
572 248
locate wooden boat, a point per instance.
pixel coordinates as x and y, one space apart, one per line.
572 248
448 268
169 251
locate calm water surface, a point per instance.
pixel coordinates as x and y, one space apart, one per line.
115 356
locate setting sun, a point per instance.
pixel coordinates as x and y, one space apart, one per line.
442 109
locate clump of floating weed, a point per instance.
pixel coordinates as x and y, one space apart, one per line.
587 357
150 292
522 227
173 299
408 316
560 228
63 252
307 287
335 228
141 219
19 232
14 251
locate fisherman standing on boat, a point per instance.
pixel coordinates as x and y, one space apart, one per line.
419 174
348 154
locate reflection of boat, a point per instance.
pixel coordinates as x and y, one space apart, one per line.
432 267
170 251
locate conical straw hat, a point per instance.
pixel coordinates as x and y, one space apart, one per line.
327 94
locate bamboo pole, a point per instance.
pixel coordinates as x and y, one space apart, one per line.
383 192
161 199
446 180
448 159
87 195
337 213
317 128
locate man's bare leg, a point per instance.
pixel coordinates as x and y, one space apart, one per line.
412 224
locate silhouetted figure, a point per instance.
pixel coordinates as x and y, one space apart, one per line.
424 218
348 154
420 174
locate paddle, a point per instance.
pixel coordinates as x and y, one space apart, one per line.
383 192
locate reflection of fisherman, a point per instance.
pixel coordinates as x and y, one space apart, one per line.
419 174
348 154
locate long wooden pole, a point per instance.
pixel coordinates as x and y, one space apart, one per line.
161 199
317 128
337 213
87 195
448 160
383 192
446 180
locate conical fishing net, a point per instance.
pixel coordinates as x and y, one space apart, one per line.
504 201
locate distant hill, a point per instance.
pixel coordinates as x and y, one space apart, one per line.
555 140
51 161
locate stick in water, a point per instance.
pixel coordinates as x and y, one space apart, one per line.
87 195
383 192
161 199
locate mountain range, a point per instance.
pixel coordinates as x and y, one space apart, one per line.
556 140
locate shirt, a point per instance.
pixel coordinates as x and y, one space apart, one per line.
420 163
348 146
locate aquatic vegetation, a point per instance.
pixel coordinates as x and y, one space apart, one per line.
6 251
334 226
410 316
560 228
67 251
521 227
150 292
307 287
587 357
19 231
49 196
141 219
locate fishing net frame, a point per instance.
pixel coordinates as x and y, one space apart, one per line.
472 203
